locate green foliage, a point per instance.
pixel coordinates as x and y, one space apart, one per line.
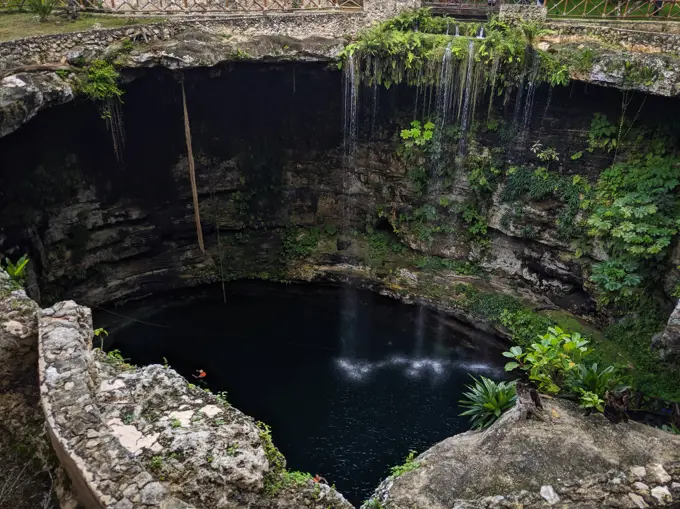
437 263
475 222
538 184
115 358
619 280
671 428
156 463
591 401
486 400
418 134
582 60
549 361
524 325
17 271
373 503
637 211
101 84
409 464
602 134
415 145
409 49
43 8
300 242
277 463
175 423
593 379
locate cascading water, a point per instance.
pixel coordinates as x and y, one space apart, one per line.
480 35
529 100
468 91
442 105
420 333
349 310
456 32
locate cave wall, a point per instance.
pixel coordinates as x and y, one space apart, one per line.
268 144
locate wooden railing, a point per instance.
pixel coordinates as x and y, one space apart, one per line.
200 6
615 9
608 9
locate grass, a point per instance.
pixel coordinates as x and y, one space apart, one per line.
18 24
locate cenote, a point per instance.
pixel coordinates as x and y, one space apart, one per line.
350 381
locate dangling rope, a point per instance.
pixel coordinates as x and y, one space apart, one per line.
192 172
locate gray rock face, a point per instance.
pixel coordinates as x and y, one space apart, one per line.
669 343
566 460
146 438
23 95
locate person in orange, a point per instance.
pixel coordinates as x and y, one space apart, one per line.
318 478
200 374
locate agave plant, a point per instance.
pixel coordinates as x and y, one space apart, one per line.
486 400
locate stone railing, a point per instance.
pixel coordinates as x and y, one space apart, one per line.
101 469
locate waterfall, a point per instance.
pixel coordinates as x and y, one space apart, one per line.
529 99
350 102
374 107
420 333
349 309
468 91
447 27
442 104
481 33
456 32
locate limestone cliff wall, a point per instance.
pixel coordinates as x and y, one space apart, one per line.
143 438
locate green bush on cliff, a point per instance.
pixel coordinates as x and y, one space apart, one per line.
100 84
486 400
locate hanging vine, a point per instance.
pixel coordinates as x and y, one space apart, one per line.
192 170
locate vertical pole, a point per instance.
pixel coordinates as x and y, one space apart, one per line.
192 171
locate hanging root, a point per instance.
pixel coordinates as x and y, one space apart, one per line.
114 122
192 172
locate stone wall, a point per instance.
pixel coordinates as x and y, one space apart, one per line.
517 12
334 24
635 37
143 438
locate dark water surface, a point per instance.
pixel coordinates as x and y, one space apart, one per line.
349 381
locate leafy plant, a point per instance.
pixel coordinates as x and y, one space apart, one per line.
591 401
17 271
671 428
602 134
593 379
101 84
43 8
486 400
618 279
550 360
407 466
418 134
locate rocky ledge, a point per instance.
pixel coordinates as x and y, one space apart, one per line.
143 438
565 459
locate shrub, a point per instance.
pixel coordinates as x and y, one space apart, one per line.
407 466
590 400
616 279
486 400
549 361
591 378
17 271
101 82
43 8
